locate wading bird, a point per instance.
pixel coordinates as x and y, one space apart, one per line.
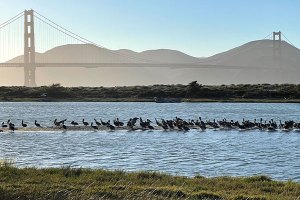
85 123
23 124
37 124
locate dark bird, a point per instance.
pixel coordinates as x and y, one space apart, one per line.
165 127
202 126
94 127
130 124
9 122
64 126
241 126
142 123
185 128
62 121
4 125
74 123
158 123
118 123
150 127
59 123
11 127
271 128
98 123
23 124
105 123
111 127
281 125
215 124
37 124
85 123
55 122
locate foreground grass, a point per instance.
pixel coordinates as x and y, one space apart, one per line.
68 183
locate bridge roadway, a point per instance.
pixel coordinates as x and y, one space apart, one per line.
148 65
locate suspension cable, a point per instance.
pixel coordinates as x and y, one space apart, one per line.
84 40
11 20
288 40
237 53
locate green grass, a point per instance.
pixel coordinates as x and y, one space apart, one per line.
69 183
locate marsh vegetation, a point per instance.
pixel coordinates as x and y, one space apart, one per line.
191 92
70 183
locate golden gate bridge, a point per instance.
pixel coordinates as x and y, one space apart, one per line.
29 32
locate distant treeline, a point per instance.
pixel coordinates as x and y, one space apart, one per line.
191 91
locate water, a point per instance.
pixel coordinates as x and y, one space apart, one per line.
208 153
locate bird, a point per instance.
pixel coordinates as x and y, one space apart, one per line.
55 122
37 124
98 123
241 126
202 125
271 128
11 127
74 123
85 123
143 124
105 123
64 126
62 122
185 128
111 127
281 125
165 127
158 123
129 123
118 123
23 124
150 127
94 127
4 125
9 122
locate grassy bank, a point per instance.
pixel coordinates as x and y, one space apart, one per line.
192 92
68 183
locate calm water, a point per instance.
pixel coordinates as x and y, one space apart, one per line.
208 153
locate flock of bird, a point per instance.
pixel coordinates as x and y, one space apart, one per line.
164 124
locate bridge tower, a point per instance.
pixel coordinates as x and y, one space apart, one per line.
29 49
277 46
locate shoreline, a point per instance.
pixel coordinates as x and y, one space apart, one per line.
85 183
191 92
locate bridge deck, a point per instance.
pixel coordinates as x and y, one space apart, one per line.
149 65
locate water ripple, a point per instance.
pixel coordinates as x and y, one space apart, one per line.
210 153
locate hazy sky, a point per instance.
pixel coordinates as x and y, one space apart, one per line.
196 27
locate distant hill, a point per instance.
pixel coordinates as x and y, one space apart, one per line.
253 54
82 53
253 62
258 54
